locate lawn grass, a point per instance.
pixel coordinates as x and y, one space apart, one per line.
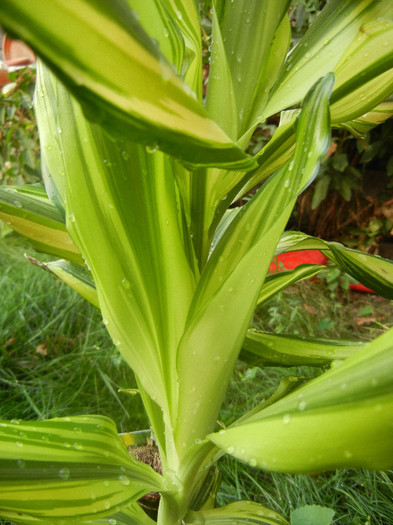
57 359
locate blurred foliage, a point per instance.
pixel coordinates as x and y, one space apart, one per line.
19 145
351 199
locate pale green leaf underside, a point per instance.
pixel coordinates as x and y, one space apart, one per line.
76 277
101 68
341 419
281 280
263 349
362 125
67 468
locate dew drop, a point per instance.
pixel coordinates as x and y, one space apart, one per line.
286 419
64 473
21 463
124 480
231 450
125 283
302 405
252 462
112 521
18 204
116 342
19 444
71 217
152 148
286 183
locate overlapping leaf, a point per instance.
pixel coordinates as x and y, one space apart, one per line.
281 280
127 226
68 468
235 271
373 271
27 210
264 349
238 513
250 41
322 47
101 68
341 419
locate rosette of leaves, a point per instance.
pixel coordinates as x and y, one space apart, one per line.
140 175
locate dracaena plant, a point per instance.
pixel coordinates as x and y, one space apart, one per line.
142 174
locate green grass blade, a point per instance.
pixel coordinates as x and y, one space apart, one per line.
341 419
372 271
68 468
159 109
28 211
263 349
238 513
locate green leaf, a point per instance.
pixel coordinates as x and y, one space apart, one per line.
68 468
320 191
372 271
137 270
28 211
159 110
238 513
175 26
281 280
240 68
76 277
364 75
312 515
263 349
341 419
235 272
322 47
362 125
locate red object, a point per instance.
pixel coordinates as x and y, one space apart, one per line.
360 288
290 260
16 53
